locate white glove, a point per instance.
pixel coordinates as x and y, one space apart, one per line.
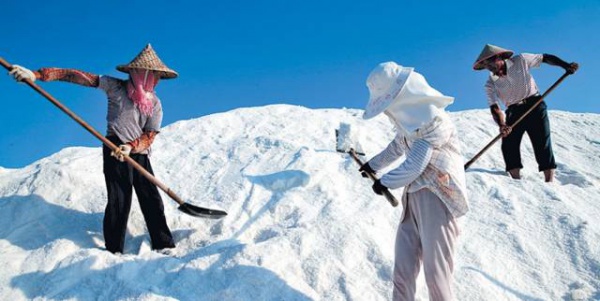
121 152
21 73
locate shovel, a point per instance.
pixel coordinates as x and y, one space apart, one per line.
183 206
344 144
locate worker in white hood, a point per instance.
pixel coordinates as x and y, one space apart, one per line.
432 175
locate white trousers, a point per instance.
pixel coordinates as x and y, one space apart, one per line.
427 236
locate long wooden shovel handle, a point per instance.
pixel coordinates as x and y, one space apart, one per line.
485 148
388 195
90 129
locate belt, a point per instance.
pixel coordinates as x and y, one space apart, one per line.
529 100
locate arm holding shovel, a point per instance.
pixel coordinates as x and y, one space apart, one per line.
365 172
415 163
554 60
86 79
345 144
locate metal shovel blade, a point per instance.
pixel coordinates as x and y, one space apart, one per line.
201 211
345 140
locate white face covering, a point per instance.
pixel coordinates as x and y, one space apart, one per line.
412 117
414 107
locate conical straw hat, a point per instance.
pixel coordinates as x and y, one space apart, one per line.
489 51
148 60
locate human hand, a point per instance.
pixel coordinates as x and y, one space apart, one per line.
378 188
572 68
505 130
121 152
21 73
365 169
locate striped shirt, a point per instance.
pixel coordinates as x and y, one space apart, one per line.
517 84
416 161
433 161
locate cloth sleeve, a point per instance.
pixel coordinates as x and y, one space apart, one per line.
491 93
532 60
109 84
391 153
68 75
416 161
143 142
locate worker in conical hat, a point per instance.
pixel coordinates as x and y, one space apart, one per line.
134 118
510 82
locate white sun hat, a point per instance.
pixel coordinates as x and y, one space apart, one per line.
390 82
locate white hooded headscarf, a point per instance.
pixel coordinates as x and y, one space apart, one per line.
404 96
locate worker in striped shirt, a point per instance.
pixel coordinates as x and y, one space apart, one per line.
510 82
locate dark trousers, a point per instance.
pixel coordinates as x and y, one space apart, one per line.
537 126
121 179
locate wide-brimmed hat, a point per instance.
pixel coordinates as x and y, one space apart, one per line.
148 60
489 51
390 82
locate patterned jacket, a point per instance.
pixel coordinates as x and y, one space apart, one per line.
444 173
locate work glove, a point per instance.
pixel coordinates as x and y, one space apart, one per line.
21 73
121 152
378 188
364 169
572 68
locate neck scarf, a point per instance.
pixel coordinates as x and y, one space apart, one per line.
140 89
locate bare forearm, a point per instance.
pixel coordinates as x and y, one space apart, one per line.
497 115
68 75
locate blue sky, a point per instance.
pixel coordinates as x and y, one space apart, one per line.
317 54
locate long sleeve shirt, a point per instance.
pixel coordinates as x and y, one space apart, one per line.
433 161
417 158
